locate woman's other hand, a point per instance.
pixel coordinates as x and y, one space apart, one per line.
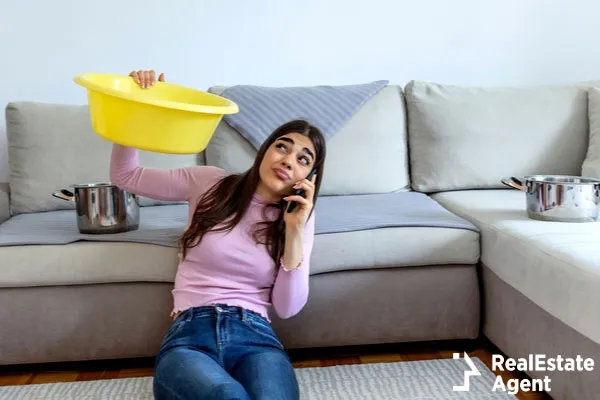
146 79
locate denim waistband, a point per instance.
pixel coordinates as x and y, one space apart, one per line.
216 309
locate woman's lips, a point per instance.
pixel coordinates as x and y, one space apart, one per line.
281 174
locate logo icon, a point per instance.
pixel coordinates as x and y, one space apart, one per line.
473 371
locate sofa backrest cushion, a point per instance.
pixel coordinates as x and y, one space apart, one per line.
52 146
4 201
591 164
472 137
367 155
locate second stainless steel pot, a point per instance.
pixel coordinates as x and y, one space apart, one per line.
561 198
103 208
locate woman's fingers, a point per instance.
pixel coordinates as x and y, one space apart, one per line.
146 78
135 76
307 186
151 78
298 199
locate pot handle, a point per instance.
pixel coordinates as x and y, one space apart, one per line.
64 194
514 183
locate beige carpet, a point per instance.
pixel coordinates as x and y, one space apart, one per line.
430 379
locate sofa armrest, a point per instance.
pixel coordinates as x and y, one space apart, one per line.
4 202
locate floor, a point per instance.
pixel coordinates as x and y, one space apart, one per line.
83 371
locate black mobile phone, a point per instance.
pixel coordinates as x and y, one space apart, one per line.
300 192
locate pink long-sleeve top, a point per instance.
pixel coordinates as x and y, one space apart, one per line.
226 267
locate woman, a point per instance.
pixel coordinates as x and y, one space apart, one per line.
242 252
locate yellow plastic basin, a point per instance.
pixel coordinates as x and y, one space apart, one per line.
164 118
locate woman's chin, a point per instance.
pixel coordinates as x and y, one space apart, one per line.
279 187
276 191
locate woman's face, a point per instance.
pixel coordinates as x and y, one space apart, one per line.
288 160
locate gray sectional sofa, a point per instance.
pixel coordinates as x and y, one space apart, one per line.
459 258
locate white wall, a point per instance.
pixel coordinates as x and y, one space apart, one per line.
44 44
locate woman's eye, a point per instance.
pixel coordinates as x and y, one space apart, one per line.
304 160
281 146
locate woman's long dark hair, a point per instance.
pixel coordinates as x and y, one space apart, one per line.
227 201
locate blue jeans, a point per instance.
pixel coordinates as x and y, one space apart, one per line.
223 352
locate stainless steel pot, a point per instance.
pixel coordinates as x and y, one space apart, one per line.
561 198
103 208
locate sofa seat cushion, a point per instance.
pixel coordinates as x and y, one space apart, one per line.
109 262
555 265
352 232
394 247
86 263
